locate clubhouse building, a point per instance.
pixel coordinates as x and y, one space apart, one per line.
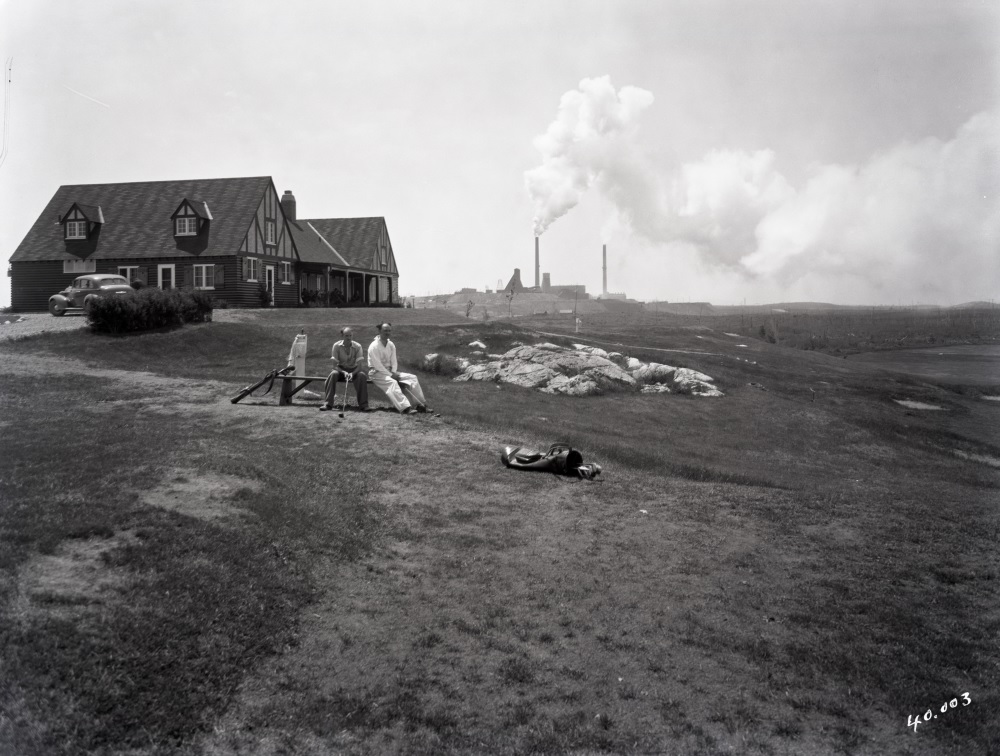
233 237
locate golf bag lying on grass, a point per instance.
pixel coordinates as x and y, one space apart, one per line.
560 459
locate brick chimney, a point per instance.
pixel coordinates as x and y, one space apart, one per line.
288 204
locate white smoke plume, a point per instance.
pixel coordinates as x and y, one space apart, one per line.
593 133
921 219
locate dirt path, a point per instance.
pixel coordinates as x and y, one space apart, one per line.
14 326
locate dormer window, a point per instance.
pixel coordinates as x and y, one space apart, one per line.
186 226
76 229
80 220
191 217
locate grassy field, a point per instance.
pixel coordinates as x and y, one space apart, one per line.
797 567
838 331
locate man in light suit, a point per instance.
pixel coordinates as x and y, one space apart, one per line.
385 374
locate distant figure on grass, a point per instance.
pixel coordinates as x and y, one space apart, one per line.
385 374
348 365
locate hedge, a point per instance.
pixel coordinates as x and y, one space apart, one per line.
148 308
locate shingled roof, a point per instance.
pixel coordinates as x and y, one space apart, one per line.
137 220
311 246
355 239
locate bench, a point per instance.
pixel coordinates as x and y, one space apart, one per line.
288 387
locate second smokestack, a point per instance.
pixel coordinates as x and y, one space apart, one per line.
604 257
537 283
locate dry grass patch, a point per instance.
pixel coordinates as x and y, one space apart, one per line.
205 495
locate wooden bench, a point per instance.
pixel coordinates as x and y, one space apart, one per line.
288 387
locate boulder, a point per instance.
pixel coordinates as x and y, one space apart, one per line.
489 371
654 372
555 384
697 388
655 388
686 374
527 374
619 359
590 350
578 385
633 364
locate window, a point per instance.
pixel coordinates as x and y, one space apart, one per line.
286 273
385 255
269 232
204 276
253 268
187 227
79 266
76 229
131 272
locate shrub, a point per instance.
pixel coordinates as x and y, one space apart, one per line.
149 308
264 295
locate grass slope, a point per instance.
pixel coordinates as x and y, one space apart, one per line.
795 568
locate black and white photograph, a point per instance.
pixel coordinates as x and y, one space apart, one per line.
454 377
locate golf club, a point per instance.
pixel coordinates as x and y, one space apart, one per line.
347 386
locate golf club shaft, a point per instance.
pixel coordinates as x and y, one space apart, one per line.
347 387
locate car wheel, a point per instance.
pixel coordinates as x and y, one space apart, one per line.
57 308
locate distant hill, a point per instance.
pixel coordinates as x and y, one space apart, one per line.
783 307
974 306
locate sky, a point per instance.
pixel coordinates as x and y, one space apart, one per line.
726 151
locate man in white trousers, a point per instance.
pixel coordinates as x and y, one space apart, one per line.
384 372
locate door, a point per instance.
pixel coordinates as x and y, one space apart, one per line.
269 283
165 276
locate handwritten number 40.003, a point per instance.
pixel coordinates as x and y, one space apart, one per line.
912 721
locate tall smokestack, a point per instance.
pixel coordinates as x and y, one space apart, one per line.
537 282
604 256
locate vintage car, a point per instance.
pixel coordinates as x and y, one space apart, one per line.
77 295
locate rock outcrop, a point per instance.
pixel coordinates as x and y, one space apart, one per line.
579 371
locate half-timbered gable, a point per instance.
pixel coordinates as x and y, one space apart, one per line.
268 234
268 255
